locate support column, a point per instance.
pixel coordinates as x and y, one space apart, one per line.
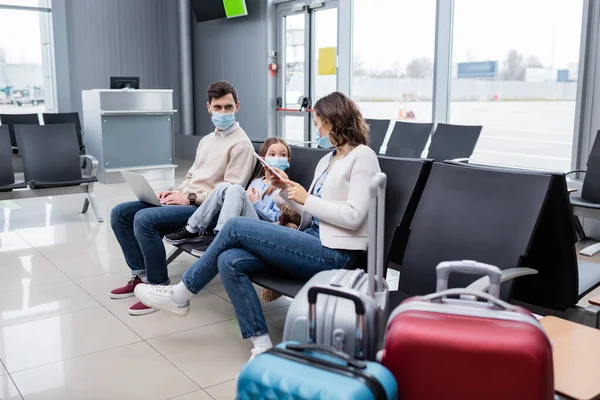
186 84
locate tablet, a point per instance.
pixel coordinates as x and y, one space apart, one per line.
264 163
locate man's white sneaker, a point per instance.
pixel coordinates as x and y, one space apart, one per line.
159 296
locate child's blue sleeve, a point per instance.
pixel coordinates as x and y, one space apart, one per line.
267 209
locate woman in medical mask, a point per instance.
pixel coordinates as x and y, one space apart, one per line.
227 201
332 234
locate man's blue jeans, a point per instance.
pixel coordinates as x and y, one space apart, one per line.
139 229
245 247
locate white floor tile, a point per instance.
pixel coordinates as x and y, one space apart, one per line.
223 391
43 301
53 339
198 395
209 355
61 234
10 241
99 286
276 317
206 309
91 263
131 372
8 390
31 271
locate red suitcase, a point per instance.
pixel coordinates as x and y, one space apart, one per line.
458 348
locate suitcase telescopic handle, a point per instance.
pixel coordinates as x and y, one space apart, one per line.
376 217
492 300
444 269
359 306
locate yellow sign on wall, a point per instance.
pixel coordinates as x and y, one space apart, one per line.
327 63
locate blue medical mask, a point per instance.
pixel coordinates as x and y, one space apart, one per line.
324 141
223 121
281 163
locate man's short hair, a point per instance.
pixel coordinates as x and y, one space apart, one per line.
220 89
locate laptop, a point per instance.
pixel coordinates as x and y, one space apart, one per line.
141 188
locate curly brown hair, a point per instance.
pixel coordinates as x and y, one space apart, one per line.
348 124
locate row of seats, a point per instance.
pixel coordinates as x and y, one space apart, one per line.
10 120
408 139
51 163
438 211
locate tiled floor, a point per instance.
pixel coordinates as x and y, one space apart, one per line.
62 337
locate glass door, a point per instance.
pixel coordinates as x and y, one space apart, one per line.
307 57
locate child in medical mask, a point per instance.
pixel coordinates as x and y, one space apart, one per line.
228 200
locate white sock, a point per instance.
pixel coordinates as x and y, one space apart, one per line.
192 230
144 278
181 294
264 342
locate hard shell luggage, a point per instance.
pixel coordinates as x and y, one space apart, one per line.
448 345
335 313
295 371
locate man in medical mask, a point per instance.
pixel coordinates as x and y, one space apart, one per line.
225 155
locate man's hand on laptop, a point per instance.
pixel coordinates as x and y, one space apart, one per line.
162 195
175 198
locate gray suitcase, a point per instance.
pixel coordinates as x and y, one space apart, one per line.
338 291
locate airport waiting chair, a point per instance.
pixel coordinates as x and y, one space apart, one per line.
257 144
11 120
406 179
51 164
471 213
66 118
7 174
453 141
561 279
408 139
586 203
377 130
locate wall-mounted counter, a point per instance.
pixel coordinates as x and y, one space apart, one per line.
131 130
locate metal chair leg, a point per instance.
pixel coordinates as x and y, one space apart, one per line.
173 254
95 207
86 205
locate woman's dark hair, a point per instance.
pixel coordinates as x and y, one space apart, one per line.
220 89
348 124
263 152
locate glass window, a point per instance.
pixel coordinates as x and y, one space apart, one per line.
294 60
392 67
514 71
23 78
325 51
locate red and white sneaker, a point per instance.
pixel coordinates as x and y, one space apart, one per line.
126 291
140 308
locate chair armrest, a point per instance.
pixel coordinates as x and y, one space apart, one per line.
576 171
461 160
507 274
92 163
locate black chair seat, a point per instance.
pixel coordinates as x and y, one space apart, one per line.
46 185
580 202
8 188
285 286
